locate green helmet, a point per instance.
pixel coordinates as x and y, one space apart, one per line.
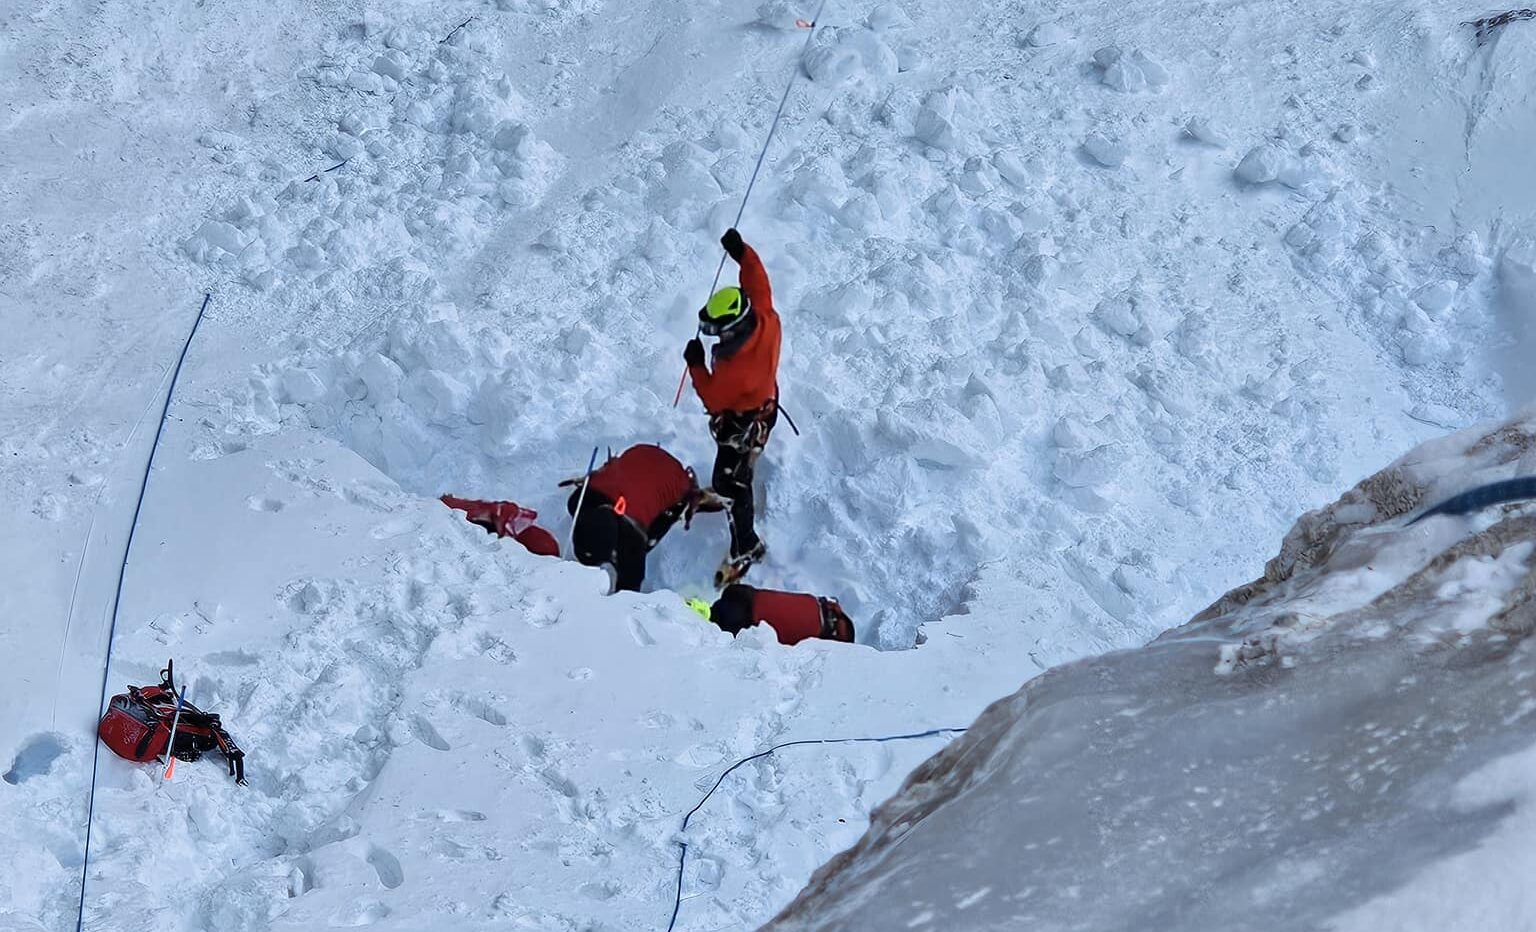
700 606
726 308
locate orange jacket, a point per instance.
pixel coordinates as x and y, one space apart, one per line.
748 378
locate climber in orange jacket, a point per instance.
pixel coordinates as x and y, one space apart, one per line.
740 392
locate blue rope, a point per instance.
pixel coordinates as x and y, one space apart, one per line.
682 857
90 808
1484 496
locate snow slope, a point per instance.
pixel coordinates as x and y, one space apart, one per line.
1062 351
1344 743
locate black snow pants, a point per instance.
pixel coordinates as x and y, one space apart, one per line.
740 438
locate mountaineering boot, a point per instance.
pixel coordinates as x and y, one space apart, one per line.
734 568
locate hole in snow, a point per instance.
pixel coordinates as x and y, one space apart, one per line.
35 759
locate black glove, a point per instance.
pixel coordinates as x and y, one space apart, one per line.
734 247
693 353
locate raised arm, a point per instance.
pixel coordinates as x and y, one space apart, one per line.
754 278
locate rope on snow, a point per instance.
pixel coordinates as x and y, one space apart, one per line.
810 27
106 668
682 856
1484 496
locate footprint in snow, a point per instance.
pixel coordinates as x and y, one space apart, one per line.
641 636
395 528
362 913
482 709
452 815
427 734
262 503
35 759
450 850
387 866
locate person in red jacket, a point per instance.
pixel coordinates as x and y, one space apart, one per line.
507 519
793 616
632 501
740 392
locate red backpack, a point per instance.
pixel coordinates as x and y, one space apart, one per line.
139 723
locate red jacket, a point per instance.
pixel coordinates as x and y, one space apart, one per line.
647 479
508 519
748 378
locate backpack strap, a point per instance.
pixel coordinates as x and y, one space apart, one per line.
232 753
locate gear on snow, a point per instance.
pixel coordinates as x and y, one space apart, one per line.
143 724
507 519
793 616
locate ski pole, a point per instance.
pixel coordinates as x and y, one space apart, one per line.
570 544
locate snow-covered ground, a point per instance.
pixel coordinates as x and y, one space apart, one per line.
1082 308
1345 743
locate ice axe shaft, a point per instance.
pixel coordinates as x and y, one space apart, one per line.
570 544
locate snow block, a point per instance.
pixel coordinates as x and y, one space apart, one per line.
1046 35
1106 152
1129 73
1262 164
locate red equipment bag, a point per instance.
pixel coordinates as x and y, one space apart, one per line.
138 725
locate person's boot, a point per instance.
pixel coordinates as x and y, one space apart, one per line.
734 568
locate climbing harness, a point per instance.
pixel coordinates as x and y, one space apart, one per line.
682 857
810 27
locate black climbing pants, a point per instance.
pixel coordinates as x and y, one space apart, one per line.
740 438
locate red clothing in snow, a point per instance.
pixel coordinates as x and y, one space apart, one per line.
508 519
793 616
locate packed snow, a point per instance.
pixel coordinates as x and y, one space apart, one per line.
1345 743
1082 308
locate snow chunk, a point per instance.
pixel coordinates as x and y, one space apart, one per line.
888 16
1200 130
437 396
1012 168
1106 152
1436 297
781 14
935 123
1045 35
213 241
301 386
391 64
831 64
842 54
1129 73
1263 164
381 376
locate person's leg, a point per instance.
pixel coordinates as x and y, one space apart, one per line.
629 557
733 479
595 536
